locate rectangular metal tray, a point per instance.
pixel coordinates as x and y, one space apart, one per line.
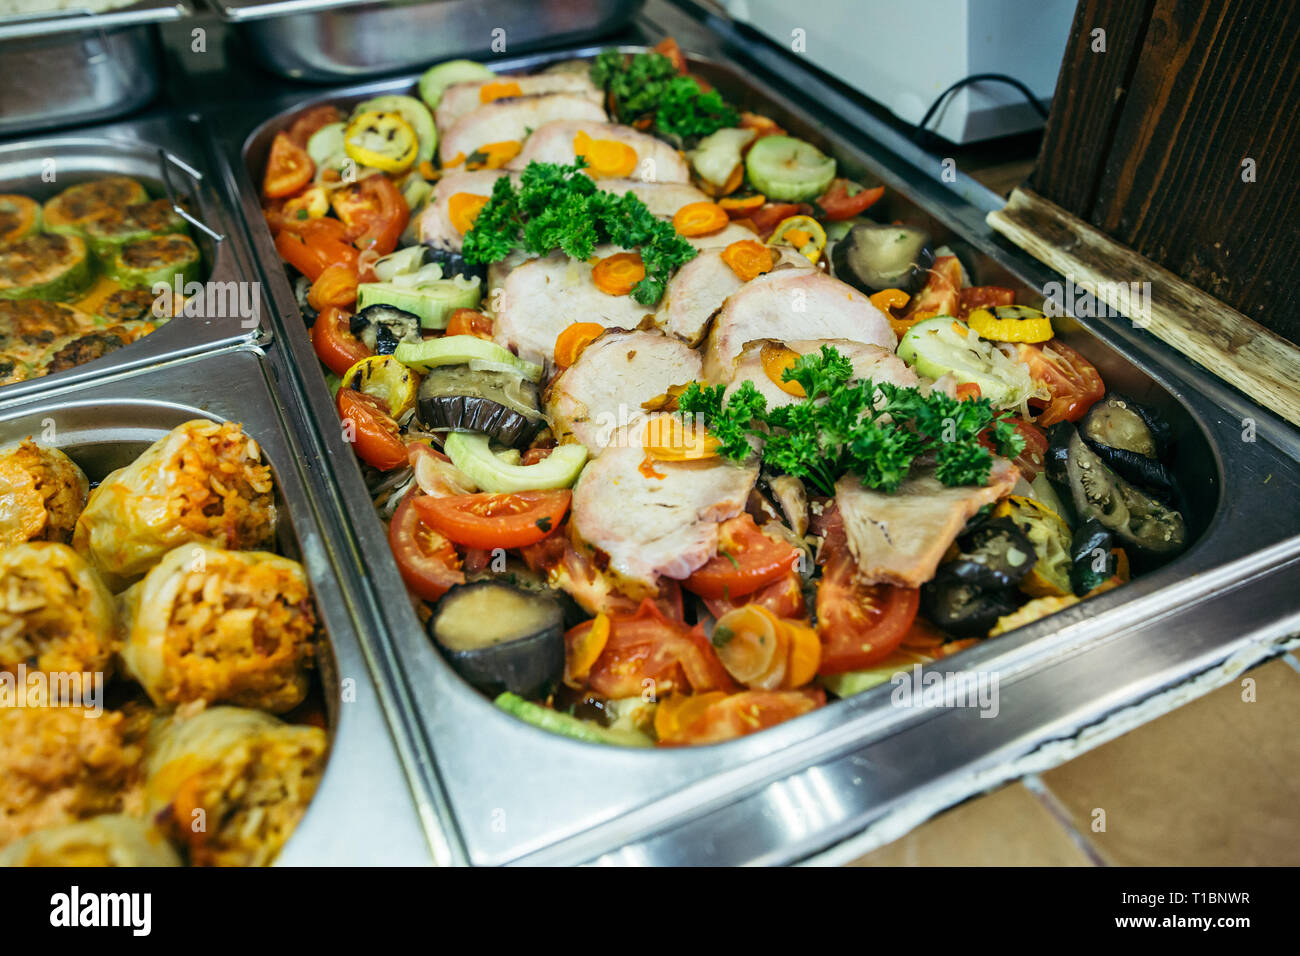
170 158
507 792
363 813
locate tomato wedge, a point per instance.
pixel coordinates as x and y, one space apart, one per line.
838 204
783 597
469 322
1033 459
859 624
982 297
374 213
427 561
747 560
313 119
768 216
311 247
334 343
371 430
939 295
1073 382
497 520
288 168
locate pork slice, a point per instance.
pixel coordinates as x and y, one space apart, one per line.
614 376
791 305
662 199
869 361
723 237
511 120
699 289
462 98
900 538
542 297
656 161
656 526
435 222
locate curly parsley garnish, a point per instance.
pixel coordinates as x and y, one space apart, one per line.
556 206
874 430
647 85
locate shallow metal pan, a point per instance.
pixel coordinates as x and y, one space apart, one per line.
331 40
514 793
363 813
171 160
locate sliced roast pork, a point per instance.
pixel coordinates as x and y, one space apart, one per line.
652 526
462 98
792 305
607 387
900 538
512 120
869 361
557 142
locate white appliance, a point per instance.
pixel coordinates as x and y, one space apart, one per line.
904 53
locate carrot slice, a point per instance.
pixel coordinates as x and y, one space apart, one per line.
739 205
805 653
570 343
493 155
498 90
776 358
748 259
605 157
700 219
618 274
464 209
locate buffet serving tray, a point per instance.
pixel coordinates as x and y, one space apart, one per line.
363 813
171 159
506 792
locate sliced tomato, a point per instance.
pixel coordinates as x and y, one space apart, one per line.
334 343
939 295
846 199
288 168
313 119
982 297
1033 459
648 650
497 520
744 713
768 216
374 435
859 624
311 247
374 213
1073 382
746 560
783 597
427 561
469 322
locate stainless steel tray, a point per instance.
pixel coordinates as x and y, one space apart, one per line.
171 160
507 792
363 813
331 40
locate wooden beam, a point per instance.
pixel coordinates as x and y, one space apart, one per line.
1238 350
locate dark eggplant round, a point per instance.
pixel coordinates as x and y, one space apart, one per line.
1091 561
501 638
455 264
501 405
995 555
381 328
961 607
301 286
875 257
1120 431
1138 520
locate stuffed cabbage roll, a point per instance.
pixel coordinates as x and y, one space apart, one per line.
229 785
63 764
55 612
202 482
111 840
42 491
221 626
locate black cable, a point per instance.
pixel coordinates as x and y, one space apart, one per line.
978 78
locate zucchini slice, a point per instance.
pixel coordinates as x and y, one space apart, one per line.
77 205
415 113
71 352
45 266
437 78
131 305
19 217
141 221
28 327
142 263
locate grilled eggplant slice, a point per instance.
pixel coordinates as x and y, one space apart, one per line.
1130 438
110 232
381 328
144 262
20 217
1095 491
502 405
45 266
501 638
994 555
72 209
873 257
963 608
1091 559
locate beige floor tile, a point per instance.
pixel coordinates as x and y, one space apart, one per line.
1008 827
1215 783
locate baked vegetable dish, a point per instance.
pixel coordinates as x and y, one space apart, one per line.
158 661
77 274
673 438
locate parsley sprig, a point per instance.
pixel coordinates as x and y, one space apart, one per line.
556 206
876 430
648 85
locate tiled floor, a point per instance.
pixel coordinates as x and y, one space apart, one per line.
1216 783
